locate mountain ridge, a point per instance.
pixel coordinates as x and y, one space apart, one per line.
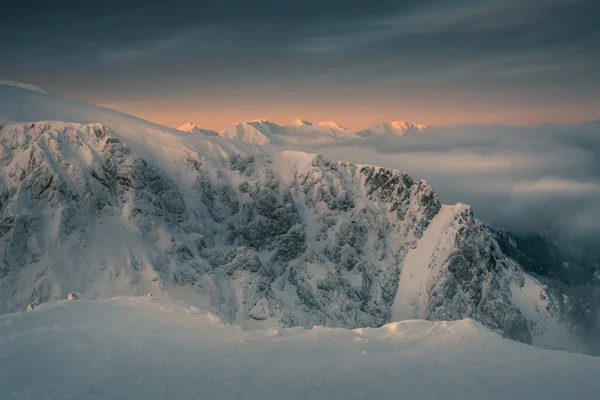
192 128
263 131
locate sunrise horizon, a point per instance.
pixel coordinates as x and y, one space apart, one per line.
430 117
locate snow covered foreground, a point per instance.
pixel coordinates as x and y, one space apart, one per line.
155 348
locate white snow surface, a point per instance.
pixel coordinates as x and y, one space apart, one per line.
533 300
188 127
411 300
155 348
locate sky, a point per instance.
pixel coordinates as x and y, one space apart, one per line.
214 63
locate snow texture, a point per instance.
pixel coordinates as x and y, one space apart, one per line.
411 300
152 348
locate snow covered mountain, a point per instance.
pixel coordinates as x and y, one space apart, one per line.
192 128
257 131
299 124
99 202
335 129
263 132
395 128
305 133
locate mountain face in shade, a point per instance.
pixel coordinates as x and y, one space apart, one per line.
121 206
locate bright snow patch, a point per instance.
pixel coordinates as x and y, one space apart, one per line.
411 298
151 348
187 127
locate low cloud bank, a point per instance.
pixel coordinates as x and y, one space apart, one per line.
527 179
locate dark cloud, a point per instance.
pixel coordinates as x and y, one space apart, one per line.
528 42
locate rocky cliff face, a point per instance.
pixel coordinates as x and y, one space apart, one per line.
261 239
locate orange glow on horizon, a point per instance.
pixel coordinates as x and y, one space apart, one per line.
215 118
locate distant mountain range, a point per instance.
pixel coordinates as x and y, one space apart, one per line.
262 131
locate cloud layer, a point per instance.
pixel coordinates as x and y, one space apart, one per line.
545 178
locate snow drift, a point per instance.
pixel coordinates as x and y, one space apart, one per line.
157 348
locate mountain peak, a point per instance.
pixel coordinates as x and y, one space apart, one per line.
301 123
407 125
396 128
259 121
190 127
332 125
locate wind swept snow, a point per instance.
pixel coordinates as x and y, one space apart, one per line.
155 348
22 85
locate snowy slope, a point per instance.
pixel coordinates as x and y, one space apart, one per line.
106 204
411 300
541 312
148 348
